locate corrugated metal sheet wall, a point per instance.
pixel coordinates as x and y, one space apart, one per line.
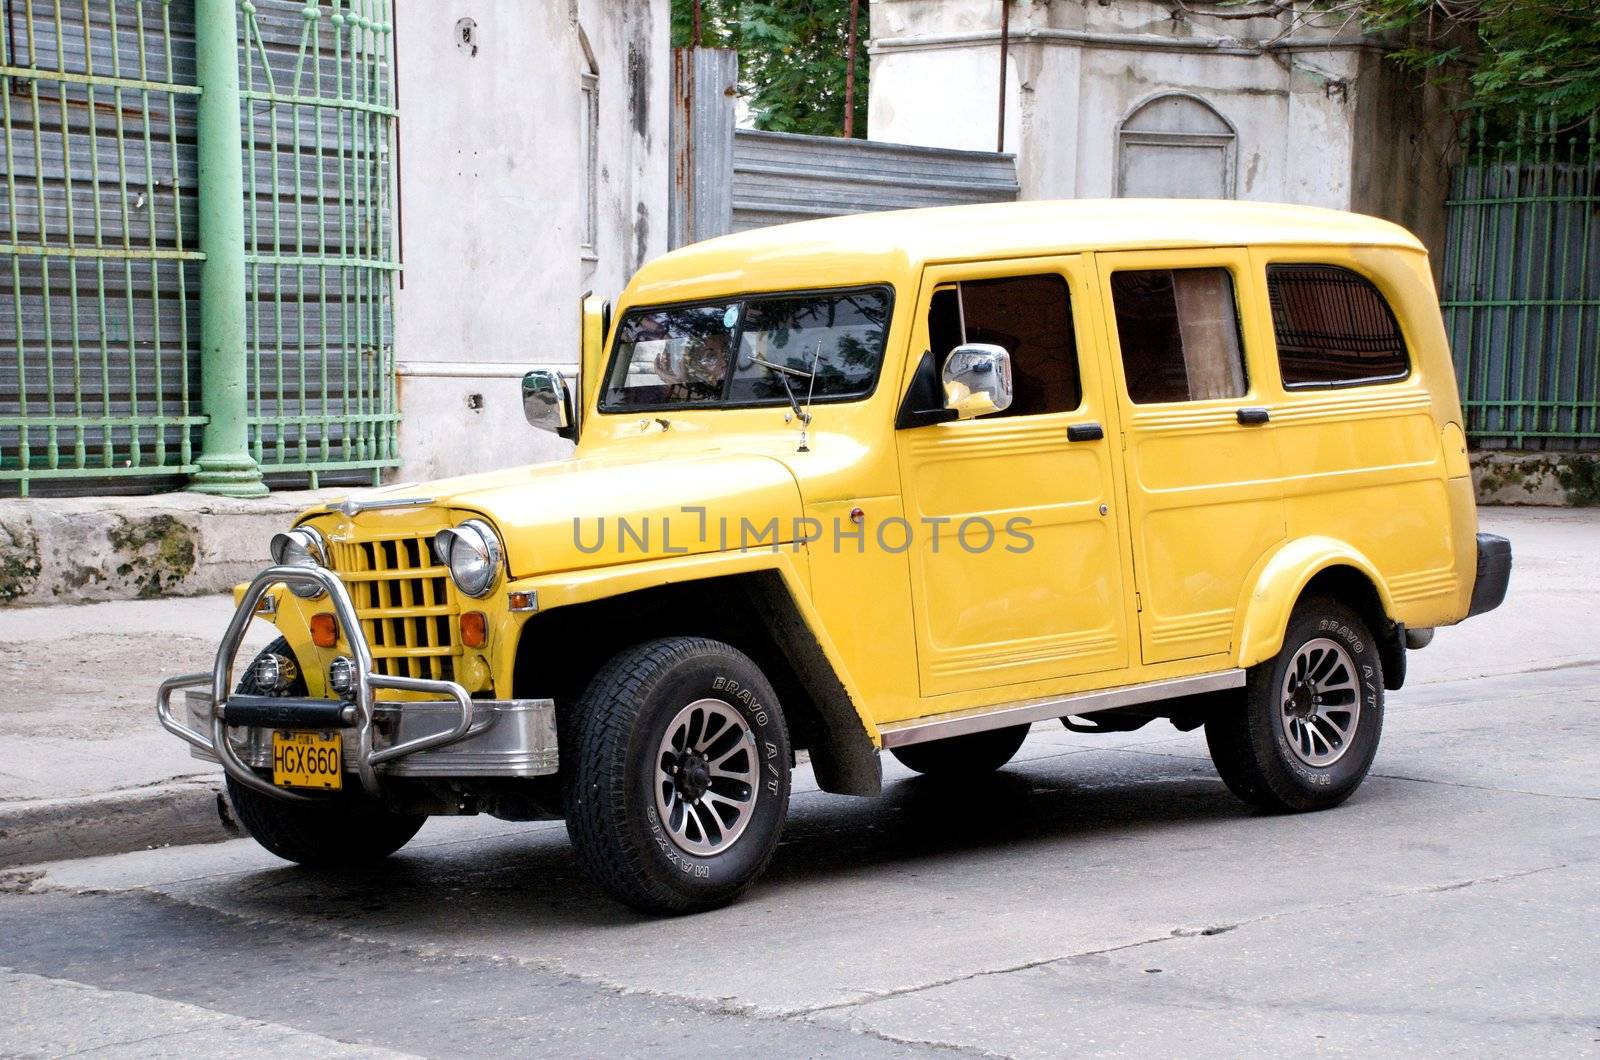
781 177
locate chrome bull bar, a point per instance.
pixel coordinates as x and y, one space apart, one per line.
367 757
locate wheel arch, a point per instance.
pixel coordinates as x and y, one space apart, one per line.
1317 566
756 612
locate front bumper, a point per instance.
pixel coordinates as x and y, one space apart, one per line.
453 736
1494 574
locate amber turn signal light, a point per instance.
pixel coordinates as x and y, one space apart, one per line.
474 629
324 630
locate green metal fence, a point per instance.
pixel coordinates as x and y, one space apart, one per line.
318 124
98 257
131 354
1521 286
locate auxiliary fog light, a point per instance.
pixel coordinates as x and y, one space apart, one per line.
274 673
342 675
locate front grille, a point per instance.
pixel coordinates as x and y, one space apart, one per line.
406 603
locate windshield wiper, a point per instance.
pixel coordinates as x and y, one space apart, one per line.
783 372
756 358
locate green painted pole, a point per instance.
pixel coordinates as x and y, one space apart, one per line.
225 466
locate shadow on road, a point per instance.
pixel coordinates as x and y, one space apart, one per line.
530 881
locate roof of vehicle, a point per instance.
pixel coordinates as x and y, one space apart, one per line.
869 247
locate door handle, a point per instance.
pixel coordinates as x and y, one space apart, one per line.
1253 416
1085 432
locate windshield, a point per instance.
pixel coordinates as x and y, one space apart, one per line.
826 346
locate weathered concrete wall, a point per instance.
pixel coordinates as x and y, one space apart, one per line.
1319 117
78 550
1551 479
1404 144
492 176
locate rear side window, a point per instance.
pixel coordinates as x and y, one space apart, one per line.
1179 333
1333 328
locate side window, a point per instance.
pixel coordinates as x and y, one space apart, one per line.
1031 316
1333 328
1179 332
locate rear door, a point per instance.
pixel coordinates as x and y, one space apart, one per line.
1201 466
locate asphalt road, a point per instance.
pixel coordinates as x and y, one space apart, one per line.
1101 895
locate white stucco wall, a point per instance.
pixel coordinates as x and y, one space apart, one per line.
491 177
1078 69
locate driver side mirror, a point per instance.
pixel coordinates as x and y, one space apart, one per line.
547 403
977 380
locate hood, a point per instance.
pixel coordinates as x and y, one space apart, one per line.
621 508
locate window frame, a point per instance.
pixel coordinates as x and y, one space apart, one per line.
1343 384
589 94
1242 331
1072 323
723 404
1227 142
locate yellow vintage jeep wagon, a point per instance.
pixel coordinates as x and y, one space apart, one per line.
904 481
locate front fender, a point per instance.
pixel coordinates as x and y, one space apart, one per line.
1277 582
788 562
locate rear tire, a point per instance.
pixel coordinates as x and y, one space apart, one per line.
963 756
341 831
1312 715
677 761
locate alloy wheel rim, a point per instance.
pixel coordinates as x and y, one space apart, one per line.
1320 702
705 777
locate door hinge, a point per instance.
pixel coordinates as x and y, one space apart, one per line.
1138 601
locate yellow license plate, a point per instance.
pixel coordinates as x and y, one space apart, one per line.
307 760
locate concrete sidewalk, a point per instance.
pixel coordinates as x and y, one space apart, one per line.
85 769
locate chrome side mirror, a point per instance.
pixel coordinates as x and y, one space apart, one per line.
547 403
977 380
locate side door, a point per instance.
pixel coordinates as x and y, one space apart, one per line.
1016 561
1201 466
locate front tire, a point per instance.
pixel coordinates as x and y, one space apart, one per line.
346 830
343 832
963 756
1312 715
678 765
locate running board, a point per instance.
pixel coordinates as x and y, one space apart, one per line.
979 719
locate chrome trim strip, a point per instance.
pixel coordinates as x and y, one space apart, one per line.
980 719
353 507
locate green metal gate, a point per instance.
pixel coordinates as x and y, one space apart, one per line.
1521 286
319 259
145 335
99 264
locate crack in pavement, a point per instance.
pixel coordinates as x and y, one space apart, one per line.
1144 749
1488 787
718 1008
876 997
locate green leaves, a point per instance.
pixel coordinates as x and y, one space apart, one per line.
792 58
1503 56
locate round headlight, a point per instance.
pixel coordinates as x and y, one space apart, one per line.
300 547
472 552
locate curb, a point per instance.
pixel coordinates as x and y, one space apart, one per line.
114 822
